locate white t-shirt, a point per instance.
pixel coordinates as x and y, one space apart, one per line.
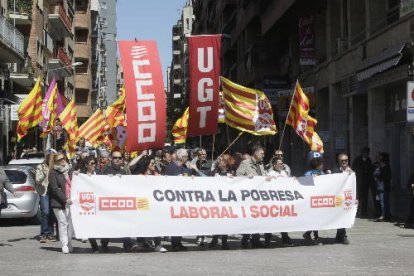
277 174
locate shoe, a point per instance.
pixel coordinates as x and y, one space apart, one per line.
104 247
287 242
70 247
65 250
267 243
343 240
160 249
95 250
51 238
381 218
225 246
258 244
84 241
317 241
179 247
213 243
42 239
200 241
244 244
307 236
136 247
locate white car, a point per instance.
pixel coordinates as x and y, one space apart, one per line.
32 160
26 203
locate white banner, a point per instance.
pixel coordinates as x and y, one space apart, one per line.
150 206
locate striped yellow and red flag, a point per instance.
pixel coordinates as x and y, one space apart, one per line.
30 111
301 121
51 106
69 122
247 109
115 113
179 130
93 129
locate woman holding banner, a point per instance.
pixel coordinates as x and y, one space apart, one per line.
224 167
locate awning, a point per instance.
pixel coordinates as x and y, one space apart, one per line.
369 72
380 63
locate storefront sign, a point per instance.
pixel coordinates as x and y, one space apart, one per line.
306 40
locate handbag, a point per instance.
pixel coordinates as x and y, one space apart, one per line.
3 199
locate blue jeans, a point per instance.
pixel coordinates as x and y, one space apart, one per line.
383 197
47 217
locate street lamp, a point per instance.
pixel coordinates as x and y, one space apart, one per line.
78 63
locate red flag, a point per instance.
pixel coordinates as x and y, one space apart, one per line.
204 64
145 97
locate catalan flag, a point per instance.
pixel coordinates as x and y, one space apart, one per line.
50 110
115 113
301 121
179 130
30 111
69 122
93 129
247 109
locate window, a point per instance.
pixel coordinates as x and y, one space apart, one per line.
81 6
82 69
81 96
16 177
81 35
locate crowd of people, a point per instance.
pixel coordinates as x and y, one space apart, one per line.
53 184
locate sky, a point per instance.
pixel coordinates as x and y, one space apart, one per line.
150 20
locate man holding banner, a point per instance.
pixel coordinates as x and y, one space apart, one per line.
253 167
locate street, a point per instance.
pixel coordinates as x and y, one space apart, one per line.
376 248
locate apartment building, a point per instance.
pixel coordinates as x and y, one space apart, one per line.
178 72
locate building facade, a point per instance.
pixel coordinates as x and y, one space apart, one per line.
353 57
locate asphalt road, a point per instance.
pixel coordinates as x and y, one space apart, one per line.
376 248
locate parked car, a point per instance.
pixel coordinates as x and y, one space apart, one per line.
26 204
30 159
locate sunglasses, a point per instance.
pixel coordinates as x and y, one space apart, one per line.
278 154
117 157
344 160
59 160
92 164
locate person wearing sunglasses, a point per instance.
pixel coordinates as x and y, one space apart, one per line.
278 155
116 167
342 167
60 177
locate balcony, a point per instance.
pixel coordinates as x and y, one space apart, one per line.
11 42
178 81
176 52
20 12
82 20
22 74
59 22
83 81
60 64
47 41
82 50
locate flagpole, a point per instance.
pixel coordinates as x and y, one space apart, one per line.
284 127
238 136
212 148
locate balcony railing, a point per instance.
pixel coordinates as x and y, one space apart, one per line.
58 9
11 36
47 41
62 56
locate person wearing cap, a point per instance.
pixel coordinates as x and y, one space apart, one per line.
342 167
315 160
364 170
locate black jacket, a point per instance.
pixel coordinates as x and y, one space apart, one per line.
57 189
